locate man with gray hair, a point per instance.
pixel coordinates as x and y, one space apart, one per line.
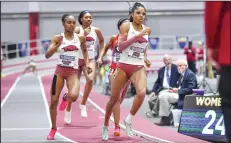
167 78
185 85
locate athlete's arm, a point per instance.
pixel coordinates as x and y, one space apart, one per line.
147 62
123 41
149 33
145 53
108 45
101 39
149 30
77 30
55 43
84 48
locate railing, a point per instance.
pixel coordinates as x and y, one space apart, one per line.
22 48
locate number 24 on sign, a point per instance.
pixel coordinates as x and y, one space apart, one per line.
219 124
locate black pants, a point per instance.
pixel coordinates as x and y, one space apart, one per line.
192 66
225 93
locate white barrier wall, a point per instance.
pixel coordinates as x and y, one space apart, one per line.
165 18
22 7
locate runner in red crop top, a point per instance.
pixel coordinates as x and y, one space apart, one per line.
115 55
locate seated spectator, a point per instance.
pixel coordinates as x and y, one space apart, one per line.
185 85
167 78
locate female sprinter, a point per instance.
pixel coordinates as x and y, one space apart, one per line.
113 43
68 44
91 33
133 41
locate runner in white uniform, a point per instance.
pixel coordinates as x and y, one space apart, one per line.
68 45
91 33
31 66
133 41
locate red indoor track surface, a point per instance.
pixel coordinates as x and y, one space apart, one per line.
89 129
85 129
7 82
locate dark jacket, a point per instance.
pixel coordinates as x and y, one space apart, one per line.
188 84
158 85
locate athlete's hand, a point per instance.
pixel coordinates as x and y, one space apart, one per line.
144 32
59 40
99 62
147 62
87 31
89 69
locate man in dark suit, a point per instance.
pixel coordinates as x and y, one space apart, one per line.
185 85
167 78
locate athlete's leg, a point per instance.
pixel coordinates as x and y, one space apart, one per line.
68 108
73 93
124 92
88 87
120 78
26 69
89 82
116 111
56 88
139 80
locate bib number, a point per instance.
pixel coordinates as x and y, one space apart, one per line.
136 52
90 48
89 43
67 61
116 57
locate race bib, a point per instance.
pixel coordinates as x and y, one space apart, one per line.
90 41
136 52
67 61
116 56
91 52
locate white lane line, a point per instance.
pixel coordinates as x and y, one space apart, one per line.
10 91
138 133
47 109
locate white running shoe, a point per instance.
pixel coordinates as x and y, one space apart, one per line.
67 117
128 128
104 133
83 109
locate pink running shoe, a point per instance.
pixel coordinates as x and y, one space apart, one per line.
51 134
117 131
63 104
